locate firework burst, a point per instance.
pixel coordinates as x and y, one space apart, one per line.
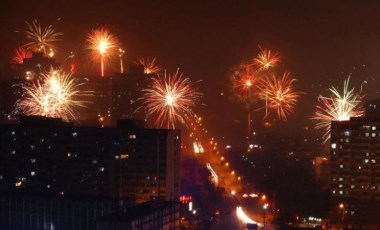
279 94
266 59
56 96
244 84
170 100
150 66
337 107
41 39
103 46
19 54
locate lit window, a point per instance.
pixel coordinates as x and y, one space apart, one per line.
32 160
340 179
352 186
366 161
101 169
340 192
340 186
373 134
74 134
347 133
124 156
13 133
333 145
373 127
132 136
341 166
32 173
367 134
373 161
13 152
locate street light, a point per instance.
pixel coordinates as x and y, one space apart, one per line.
265 209
342 208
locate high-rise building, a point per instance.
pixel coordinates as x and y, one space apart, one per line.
127 161
113 98
355 168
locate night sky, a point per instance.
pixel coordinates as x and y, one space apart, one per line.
321 42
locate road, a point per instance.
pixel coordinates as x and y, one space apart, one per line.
227 219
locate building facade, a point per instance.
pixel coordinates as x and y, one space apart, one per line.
355 169
127 161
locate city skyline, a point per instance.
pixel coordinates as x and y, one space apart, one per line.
319 51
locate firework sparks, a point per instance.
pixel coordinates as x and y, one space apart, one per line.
337 107
244 84
42 39
19 54
170 99
279 94
56 96
150 66
266 59
103 46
